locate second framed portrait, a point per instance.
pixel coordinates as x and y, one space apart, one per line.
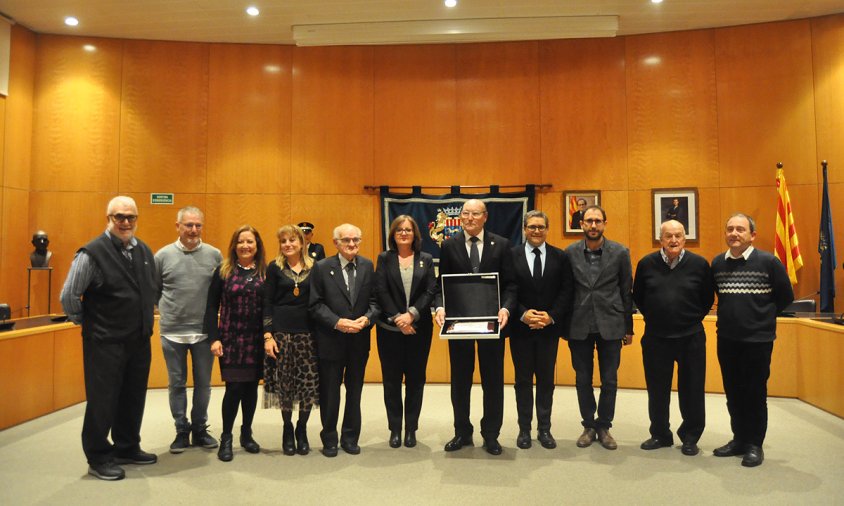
574 203
675 204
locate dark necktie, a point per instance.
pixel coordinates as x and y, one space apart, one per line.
474 255
537 265
350 272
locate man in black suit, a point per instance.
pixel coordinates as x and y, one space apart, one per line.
602 319
577 216
314 249
544 288
474 250
342 304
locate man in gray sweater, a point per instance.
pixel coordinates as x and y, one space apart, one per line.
184 270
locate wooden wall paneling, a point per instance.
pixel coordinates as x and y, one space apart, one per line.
564 374
820 366
760 203
415 115
68 368
158 368
332 120
498 128
15 251
631 372
157 223
264 212
71 219
784 360
828 61
584 122
438 370
17 148
671 109
765 103
328 211
249 118
2 143
77 114
26 378
713 383
164 117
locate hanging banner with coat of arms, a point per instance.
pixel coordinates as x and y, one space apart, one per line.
438 216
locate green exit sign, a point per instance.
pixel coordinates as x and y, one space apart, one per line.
161 199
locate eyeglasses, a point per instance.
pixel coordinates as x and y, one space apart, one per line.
120 218
473 214
593 221
350 240
400 231
536 228
197 226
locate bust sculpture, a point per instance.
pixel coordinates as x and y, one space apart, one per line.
41 256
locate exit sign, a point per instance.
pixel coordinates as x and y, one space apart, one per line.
161 199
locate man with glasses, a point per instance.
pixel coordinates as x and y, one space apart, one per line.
343 307
602 319
110 290
543 278
471 251
184 270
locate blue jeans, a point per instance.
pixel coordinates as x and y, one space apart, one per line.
175 356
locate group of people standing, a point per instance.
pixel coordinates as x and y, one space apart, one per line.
302 323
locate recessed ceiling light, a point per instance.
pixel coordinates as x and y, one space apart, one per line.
656 1
450 3
252 10
89 47
71 21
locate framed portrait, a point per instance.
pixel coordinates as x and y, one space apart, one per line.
574 202
675 204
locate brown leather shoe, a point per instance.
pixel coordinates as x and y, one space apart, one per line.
606 439
586 438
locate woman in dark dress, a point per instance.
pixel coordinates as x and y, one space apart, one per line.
291 377
405 286
236 291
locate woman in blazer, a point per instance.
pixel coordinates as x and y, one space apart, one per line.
405 286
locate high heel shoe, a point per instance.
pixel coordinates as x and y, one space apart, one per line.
302 446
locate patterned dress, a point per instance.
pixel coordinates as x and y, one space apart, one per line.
292 378
239 327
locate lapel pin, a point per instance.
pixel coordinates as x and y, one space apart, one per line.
332 273
420 264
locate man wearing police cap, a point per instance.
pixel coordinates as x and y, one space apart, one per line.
315 249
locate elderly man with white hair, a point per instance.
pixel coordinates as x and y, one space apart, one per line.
110 291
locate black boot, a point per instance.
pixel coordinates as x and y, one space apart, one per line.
225 452
246 440
302 446
288 445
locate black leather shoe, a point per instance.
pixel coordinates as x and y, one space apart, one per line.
523 439
246 441
350 448
202 438
288 443
546 439
138 457
753 457
655 443
690 449
225 452
458 442
329 451
395 439
731 449
108 471
492 446
302 445
410 438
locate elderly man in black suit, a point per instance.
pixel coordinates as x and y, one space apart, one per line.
342 304
602 319
471 251
544 289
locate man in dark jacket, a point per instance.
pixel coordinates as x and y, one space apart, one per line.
110 290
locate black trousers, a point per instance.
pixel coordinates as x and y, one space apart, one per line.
116 375
745 369
461 354
534 356
403 356
658 357
582 360
332 373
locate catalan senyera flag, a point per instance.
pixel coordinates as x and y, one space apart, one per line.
573 208
786 247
